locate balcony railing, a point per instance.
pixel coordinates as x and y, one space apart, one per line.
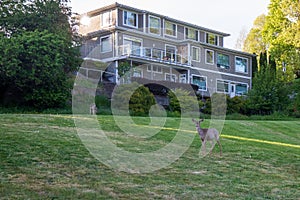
154 54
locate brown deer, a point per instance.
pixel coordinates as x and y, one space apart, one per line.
209 134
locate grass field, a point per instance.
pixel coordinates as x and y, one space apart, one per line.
42 157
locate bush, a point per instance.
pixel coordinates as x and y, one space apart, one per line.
133 98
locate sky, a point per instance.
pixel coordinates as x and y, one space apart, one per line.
228 16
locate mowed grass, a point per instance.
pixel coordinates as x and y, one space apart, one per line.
42 157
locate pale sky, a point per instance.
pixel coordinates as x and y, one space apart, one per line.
228 16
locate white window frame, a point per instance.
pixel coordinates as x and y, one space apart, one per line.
235 66
125 22
216 38
199 54
173 77
221 66
173 46
213 57
158 71
139 71
196 32
205 77
149 25
105 24
223 81
165 31
134 39
101 44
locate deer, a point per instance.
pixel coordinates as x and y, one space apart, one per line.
209 134
93 109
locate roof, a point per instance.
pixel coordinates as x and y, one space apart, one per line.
122 6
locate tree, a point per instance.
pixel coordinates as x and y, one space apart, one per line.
281 32
38 52
254 41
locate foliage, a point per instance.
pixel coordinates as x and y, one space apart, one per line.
254 41
281 32
268 94
34 67
133 98
38 53
181 101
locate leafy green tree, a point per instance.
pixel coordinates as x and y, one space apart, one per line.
38 52
34 69
281 32
254 42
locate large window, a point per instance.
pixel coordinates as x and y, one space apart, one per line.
196 54
241 88
191 34
223 61
241 64
200 81
154 25
106 19
106 44
132 46
209 57
170 28
222 86
211 39
130 19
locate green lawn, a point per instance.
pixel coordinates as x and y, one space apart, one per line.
42 157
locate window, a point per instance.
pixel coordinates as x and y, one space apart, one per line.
222 86
106 19
170 77
132 46
170 53
170 29
211 39
137 72
200 81
154 25
223 61
153 68
241 64
130 19
191 34
209 57
106 44
241 88
196 54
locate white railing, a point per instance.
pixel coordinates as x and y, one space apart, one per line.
153 54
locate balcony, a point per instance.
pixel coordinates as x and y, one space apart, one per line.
155 55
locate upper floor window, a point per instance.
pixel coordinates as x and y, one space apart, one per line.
212 39
106 44
106 19
170 28
223 61
130 19
154 25
196 54
192 34
209 57
241 64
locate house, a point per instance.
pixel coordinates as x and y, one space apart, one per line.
152 48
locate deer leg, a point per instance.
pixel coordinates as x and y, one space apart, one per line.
220 146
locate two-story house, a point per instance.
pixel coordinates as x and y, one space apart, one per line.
160 48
